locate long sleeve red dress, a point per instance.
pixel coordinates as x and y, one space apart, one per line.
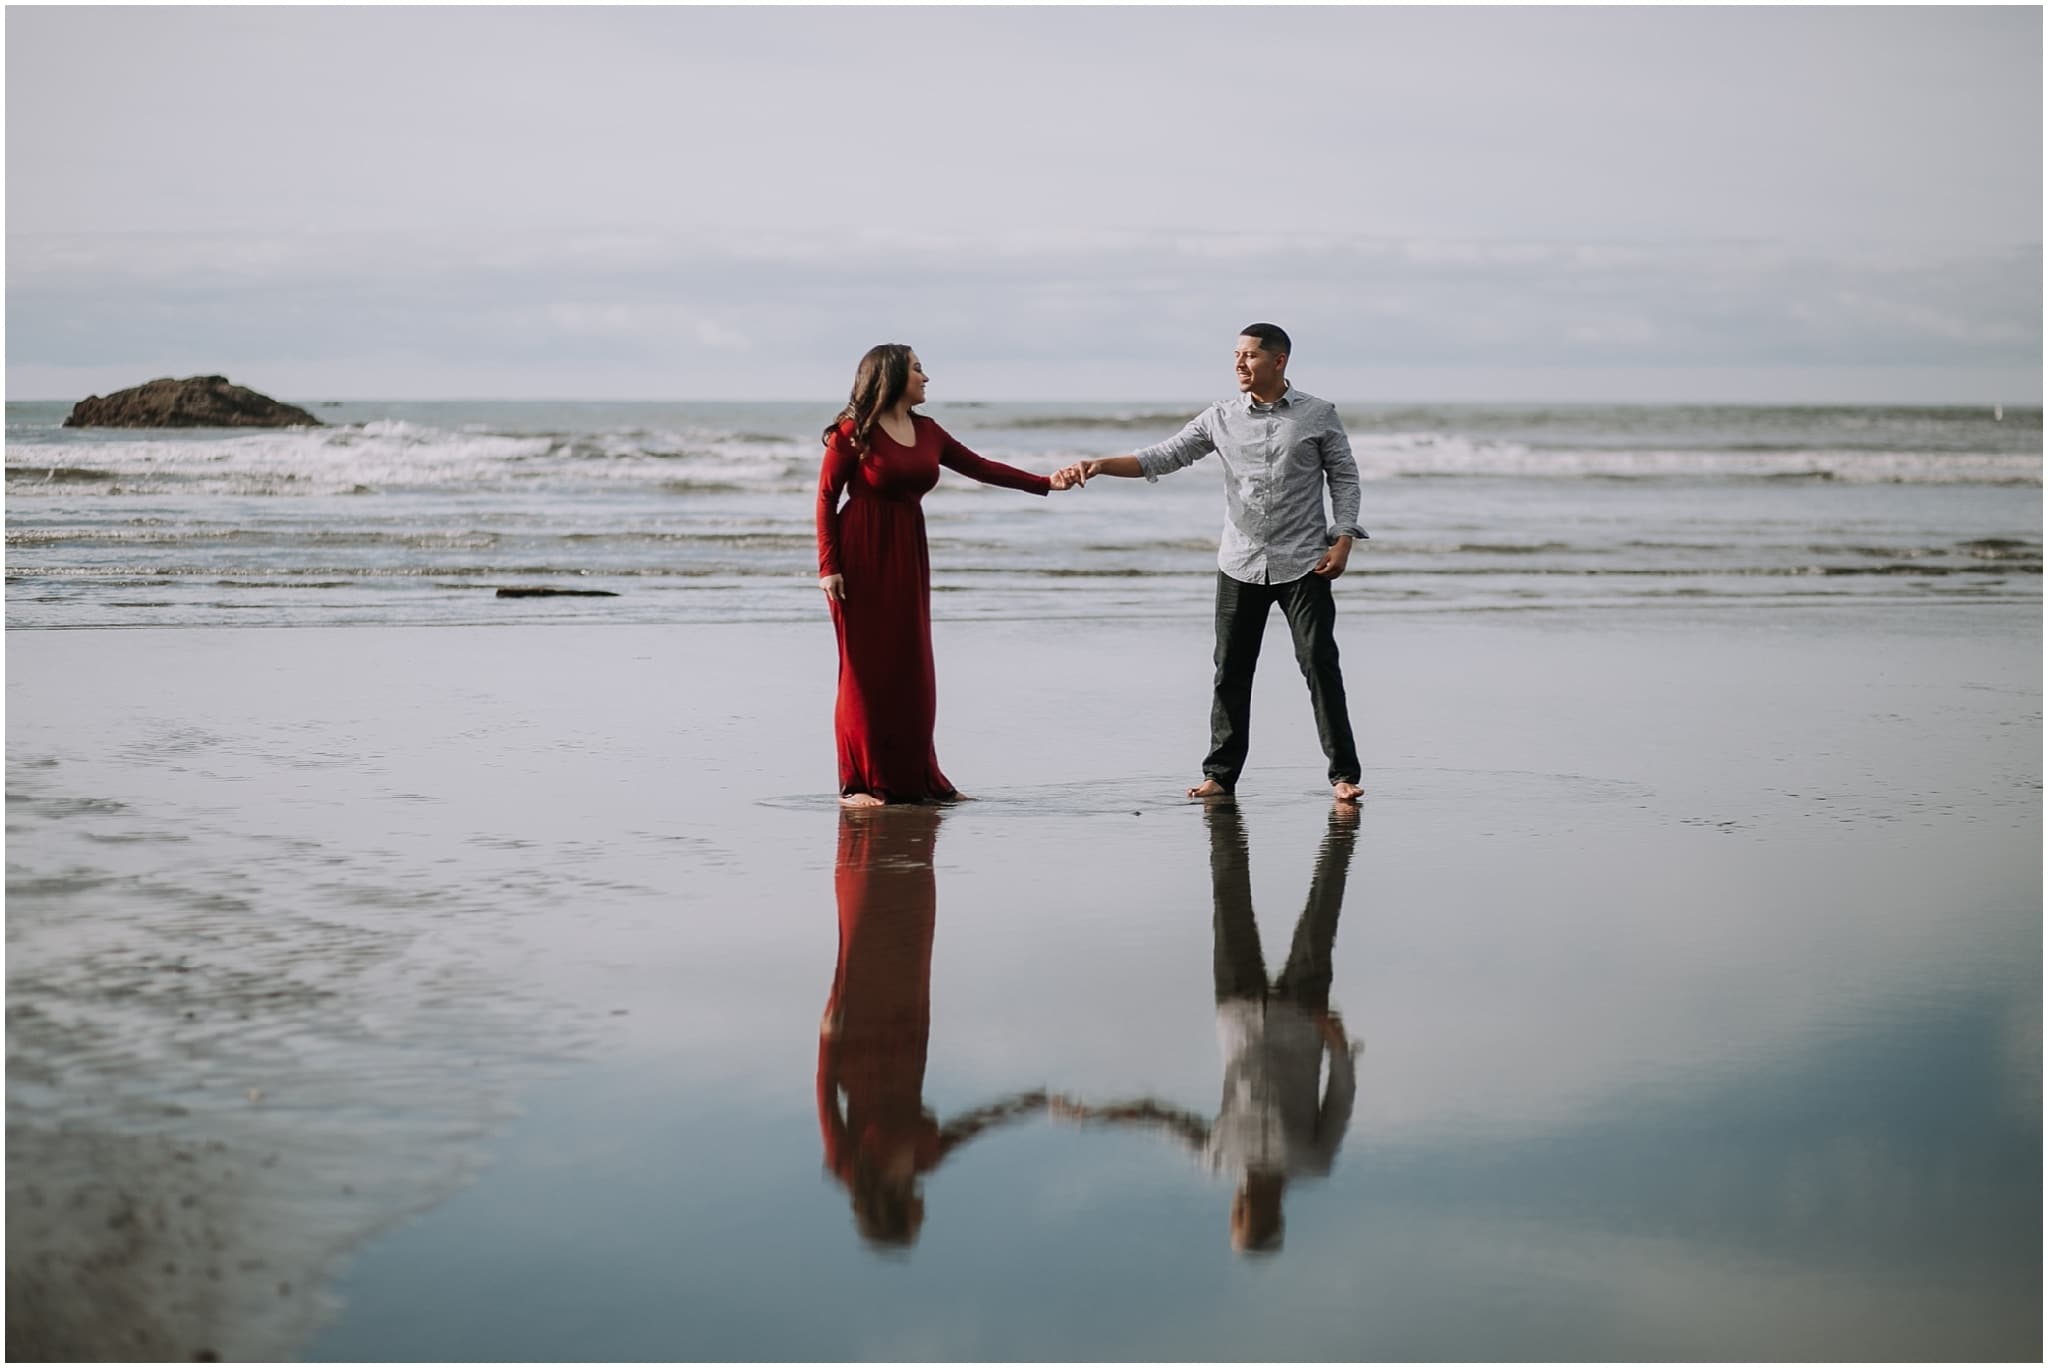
888 693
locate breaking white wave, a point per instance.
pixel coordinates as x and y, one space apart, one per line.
1424 455
395 454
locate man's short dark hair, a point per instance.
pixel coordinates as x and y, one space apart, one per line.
1272 337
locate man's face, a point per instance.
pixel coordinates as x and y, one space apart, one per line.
1257 368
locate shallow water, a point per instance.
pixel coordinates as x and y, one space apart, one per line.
1565 1143
1694 978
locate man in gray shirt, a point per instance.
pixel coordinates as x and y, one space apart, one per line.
1279 447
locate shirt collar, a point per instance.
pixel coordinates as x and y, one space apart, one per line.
1286 398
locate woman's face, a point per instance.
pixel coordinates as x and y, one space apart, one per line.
913 392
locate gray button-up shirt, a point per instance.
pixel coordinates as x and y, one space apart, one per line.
1275 459
1271 1118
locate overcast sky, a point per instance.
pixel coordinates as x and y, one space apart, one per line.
1049 203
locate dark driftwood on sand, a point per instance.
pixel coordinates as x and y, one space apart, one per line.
544 592
199 401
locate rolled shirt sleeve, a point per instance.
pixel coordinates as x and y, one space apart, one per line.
1341 471
1179 451
1334 1118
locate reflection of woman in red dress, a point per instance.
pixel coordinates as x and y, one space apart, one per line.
871 1044
876 573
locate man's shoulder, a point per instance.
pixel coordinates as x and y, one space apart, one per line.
1312 404
1204 419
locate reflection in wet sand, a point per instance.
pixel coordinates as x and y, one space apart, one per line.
1275 1033
880 1139
232 1056
1703 988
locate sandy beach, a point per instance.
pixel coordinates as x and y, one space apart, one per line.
453 992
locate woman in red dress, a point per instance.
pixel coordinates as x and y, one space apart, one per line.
876 573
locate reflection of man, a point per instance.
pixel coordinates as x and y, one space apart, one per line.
1277 1121
879 1138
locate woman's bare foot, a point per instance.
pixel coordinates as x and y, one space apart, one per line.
1345 792
1208 788
859 800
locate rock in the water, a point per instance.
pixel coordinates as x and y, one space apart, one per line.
200 401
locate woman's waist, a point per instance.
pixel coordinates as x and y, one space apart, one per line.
867 495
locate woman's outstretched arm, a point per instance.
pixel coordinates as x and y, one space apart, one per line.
954 456
969 1124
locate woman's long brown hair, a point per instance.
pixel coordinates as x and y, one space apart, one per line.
878 386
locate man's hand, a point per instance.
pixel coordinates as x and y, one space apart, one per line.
834 586
1066 477
1333 561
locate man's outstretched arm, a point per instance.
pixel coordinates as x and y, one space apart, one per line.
1144 1112
1177 452
1124 467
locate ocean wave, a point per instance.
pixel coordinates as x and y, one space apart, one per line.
698 459
398 454
25 477
1113 422
1434 456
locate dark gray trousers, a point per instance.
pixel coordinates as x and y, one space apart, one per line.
1241 613
1240 961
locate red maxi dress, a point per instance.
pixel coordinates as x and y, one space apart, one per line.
888 694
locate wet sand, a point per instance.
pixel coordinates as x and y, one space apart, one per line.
301 921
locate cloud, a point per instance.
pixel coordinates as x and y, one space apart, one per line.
1819 125
1097 312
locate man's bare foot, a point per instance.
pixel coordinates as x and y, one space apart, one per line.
1208 788
859 800
1345 792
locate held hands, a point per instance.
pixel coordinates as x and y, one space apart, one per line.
1333 561
1066 477
1081 472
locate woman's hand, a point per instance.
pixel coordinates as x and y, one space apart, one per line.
1066 477
834 586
